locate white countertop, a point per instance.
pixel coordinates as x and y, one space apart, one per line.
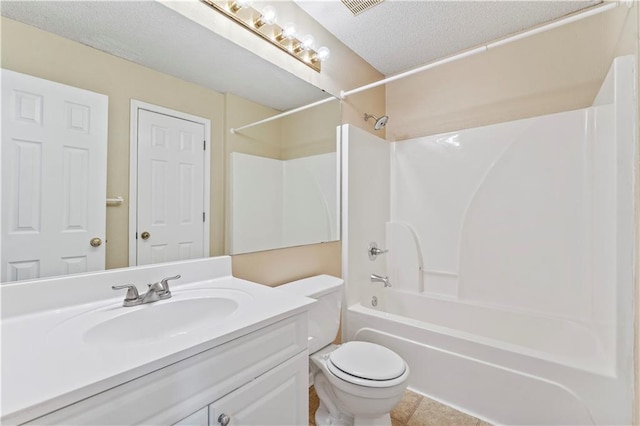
47 364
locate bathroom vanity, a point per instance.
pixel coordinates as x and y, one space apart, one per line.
220 351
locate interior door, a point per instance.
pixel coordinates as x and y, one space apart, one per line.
171 188
54 174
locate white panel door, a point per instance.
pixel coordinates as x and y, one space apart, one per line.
171 198
54 174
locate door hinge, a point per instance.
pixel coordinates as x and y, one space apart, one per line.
203 216
204 145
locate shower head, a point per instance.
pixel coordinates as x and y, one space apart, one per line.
380 122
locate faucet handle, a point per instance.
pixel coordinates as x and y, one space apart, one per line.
132 291
374 251
165 283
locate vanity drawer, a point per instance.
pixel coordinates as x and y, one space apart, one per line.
168 395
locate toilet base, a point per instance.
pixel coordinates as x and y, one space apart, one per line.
330 414
378 421
323 418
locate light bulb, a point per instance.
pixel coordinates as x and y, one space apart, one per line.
322 54
269 16
308 42
289 31
239 4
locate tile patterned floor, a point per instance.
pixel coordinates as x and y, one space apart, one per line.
415 410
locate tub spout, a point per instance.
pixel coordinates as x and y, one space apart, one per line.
379 279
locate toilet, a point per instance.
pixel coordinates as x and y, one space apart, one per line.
358 383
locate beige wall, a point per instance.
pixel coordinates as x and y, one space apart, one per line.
264 140
275 267
31 51
557 70
311 132
372 102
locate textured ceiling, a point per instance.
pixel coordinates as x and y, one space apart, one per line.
150 34
397 35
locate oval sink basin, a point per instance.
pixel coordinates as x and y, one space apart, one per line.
187 312
161 320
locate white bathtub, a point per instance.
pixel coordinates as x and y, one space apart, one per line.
475 359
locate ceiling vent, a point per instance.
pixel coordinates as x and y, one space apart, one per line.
358 6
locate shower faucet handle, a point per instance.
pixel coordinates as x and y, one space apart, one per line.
374 251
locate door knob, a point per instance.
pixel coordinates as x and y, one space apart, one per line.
223 419
95 242
145 235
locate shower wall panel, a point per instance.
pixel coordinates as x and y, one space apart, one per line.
507 209
276 203
365 209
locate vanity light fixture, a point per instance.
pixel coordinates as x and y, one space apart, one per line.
264 24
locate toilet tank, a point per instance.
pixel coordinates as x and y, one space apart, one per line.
324 315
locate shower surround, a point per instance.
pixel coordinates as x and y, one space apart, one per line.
511 256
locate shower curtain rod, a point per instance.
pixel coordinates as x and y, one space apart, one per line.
283 114
343 94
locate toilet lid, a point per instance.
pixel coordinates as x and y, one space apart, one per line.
368 361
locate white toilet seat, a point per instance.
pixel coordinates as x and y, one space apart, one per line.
367 364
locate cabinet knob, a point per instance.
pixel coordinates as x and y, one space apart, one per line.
223 419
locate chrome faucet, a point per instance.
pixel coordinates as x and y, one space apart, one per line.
379 279
157 291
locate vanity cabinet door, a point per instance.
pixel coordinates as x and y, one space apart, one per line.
280 397
199 418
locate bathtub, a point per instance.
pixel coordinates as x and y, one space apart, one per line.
467 356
